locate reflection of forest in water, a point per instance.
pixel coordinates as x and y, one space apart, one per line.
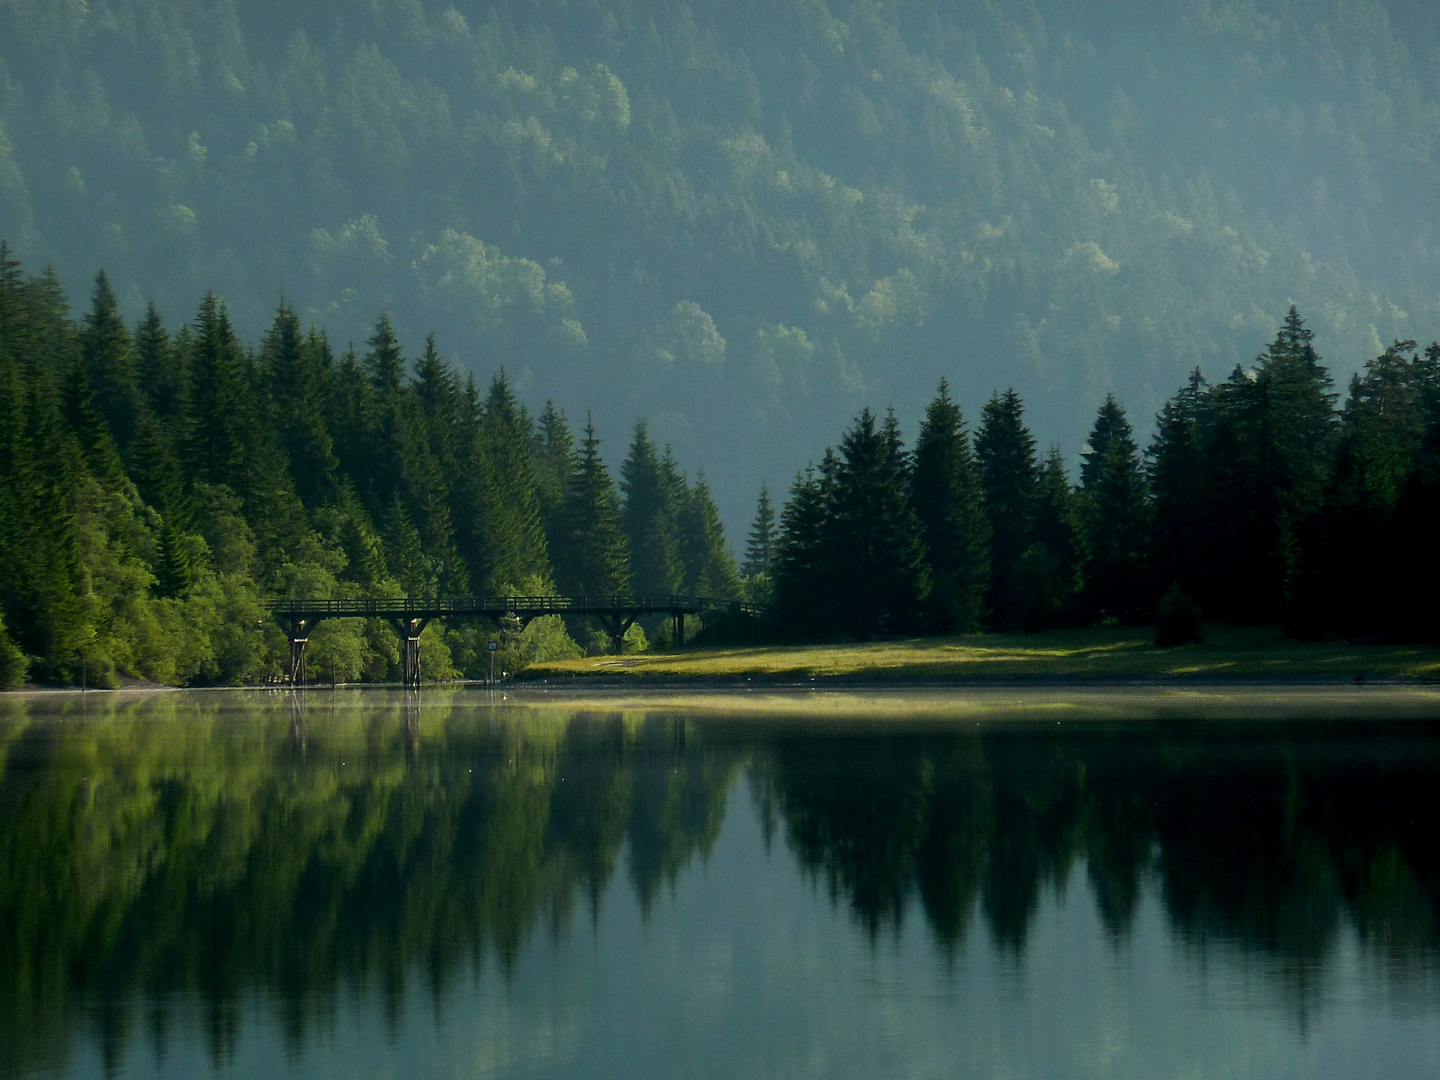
218 844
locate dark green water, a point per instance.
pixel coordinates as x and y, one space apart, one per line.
1010 886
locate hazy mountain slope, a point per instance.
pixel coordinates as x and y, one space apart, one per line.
744 219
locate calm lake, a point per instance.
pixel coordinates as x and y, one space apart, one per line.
986 883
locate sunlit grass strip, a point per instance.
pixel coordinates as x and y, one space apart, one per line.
1102 652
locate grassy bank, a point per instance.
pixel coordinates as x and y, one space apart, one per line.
1098 653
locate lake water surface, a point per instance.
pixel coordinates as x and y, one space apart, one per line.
984 883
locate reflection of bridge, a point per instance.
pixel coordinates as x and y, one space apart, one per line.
410 616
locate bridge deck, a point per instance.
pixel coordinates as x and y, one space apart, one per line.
524 607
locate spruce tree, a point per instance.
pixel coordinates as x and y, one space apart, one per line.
1266 439
593 558
649 520
553 455
110 365
945 496
296 369
878 574
1378 449
1114 511
221 402
760 543
1046 579
709 566
802 571
382 465
519 550
1005 454
1174 464
159 367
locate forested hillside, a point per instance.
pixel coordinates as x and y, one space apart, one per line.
742 220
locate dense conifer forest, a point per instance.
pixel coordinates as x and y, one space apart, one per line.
158 487
1257 500
745 219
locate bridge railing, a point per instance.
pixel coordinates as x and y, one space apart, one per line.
440 606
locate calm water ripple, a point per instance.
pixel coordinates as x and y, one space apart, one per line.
1036 884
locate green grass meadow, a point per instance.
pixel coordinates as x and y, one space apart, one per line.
1101 653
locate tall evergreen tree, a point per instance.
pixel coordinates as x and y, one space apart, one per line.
553 455
159 367
1174 463
1114 511
1266 437
518 545
593 558
1005 453
760 544
1045 581
709 567
386 431
649 519
945 496
1351 579
297 370
878 574
219 429
110 365
802 568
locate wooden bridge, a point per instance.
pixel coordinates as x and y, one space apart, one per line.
410 616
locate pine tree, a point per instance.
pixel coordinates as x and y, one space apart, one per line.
1417 517
1046 579
406 554
297 369
761 540
1174 464
382 463
593 559
1114 511
1005 454
802 570
1266 437
649 520
159 367
876 553
219 429
157 474
520 550
1378 450
708 565
110 365
945 496
554 458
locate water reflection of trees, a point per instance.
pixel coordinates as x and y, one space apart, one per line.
159 847
1270 839
189 850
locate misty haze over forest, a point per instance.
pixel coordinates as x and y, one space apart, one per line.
743 221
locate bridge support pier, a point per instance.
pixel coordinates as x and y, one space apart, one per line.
411 629
298 631
617 622
679 629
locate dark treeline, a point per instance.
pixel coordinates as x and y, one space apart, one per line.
156 487
1258 500
158 852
